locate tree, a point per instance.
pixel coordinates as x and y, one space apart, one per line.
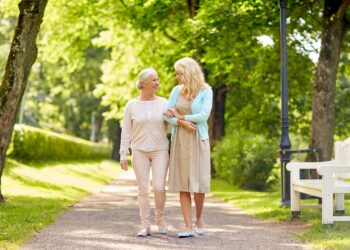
21 58
334 27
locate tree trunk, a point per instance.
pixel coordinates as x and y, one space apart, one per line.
99 123
93 127
96 126
193 6
21 58
217 117
322 124
114 136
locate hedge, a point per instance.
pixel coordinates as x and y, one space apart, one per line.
246 160
34 144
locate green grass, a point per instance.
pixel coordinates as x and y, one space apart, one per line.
37 194
265 205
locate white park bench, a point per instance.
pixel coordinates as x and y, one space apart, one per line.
334 181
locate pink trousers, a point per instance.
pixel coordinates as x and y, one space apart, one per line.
143 162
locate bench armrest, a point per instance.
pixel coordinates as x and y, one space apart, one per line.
296 166
330 169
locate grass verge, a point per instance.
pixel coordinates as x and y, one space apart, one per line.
37 194
265 205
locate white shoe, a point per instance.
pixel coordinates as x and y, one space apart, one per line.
163 230
144 232
186 234
199 230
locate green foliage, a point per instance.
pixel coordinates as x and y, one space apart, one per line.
9 8
35 144
342 104
245 160
37 195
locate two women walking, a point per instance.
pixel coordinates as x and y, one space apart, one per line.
144 131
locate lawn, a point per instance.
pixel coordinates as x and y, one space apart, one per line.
265 205
37 193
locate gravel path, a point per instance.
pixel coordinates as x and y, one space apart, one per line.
109 220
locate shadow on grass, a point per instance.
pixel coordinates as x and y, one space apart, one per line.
12 163
22 216
90 176
263 204
43 184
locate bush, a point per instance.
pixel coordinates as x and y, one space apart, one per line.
245 160
35 144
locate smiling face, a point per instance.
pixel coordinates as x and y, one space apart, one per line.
151 84
178 76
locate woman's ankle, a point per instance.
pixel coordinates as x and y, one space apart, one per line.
161 225
199 223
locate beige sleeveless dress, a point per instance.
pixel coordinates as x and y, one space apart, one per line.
189 165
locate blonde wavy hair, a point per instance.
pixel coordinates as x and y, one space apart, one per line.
192 77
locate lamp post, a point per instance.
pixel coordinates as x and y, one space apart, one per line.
285 144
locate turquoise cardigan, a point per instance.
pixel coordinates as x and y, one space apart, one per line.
201 107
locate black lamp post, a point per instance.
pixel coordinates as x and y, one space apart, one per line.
285 144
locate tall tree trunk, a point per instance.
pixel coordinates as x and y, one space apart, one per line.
96 126
21 58
114 136
99 123
193 6
333 30
93 127
217 117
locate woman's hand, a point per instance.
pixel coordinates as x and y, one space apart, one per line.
176 114
189 126
168 113
124 165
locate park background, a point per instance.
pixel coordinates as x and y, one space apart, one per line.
89 55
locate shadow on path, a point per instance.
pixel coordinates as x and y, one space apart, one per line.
109 220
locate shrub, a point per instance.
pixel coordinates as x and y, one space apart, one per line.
245 160
35 144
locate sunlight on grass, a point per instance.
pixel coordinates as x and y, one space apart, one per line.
265 205
36 195
262 204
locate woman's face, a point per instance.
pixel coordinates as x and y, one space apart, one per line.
178 76
152 84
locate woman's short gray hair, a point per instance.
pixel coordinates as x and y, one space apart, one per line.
144 76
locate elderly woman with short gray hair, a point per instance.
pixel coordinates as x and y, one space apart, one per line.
144 131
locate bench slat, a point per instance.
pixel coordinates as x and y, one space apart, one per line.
341 218
308 190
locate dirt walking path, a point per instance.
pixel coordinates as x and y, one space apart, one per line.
109 220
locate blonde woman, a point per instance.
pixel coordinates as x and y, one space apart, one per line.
144 130
189 108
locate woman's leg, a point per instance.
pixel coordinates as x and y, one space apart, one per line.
199 202
185 200
159 164
141 166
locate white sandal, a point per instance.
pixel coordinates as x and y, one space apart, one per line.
199 230
163 230
144 232
186 234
